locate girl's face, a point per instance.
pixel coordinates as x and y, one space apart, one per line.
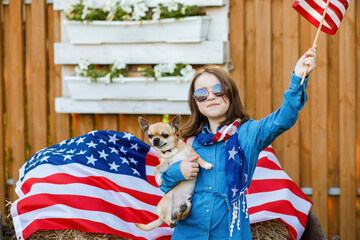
214 108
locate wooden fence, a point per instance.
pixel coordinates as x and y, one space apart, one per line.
321 152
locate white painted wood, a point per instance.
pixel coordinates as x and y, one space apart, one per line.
207 52
171 30
63 4
219 24
67 105
129 88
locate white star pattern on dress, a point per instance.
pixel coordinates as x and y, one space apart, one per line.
113 139
91 144
123 150
103 154
80 140
234 190
114 166
134 146
114 150
232 153
91 160
128 135
124 160
135 171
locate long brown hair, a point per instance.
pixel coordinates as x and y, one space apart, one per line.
197 120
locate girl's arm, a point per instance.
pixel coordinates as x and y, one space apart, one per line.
179 171
262 133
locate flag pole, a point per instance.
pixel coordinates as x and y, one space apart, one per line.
316 38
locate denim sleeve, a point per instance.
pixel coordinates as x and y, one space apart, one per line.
171 177
262 133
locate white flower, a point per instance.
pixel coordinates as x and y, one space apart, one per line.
158 70
126 5
107 79
140 10
188 73
170 67
118 65
84 64
172 6
183 9
156 13
79 72
107 6
84 13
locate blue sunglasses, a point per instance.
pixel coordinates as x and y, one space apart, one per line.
201 94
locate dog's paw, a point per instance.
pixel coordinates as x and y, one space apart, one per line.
183 207
173 224
207 166
159 181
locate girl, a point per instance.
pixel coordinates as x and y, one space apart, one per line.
222 133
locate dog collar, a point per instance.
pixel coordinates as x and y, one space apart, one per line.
163 152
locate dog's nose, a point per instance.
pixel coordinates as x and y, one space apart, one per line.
156 141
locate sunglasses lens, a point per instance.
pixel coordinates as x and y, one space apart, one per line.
218 90
200 94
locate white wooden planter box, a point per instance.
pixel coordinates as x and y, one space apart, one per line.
131 88
190 29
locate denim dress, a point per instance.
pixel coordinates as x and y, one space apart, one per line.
211 214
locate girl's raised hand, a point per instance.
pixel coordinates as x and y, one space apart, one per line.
189 168
308 59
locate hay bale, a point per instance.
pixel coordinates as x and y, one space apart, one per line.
268 230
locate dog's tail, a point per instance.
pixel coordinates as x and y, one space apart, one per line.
150 226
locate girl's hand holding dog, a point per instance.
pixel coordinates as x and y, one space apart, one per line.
189 168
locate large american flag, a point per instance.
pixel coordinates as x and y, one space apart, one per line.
312 10
104 182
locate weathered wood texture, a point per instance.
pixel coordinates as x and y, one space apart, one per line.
321 151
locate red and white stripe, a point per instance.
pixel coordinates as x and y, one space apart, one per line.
273 195
312 10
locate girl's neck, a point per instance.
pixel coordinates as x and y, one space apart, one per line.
213 124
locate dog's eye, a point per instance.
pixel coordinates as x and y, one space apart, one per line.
150 136
164 135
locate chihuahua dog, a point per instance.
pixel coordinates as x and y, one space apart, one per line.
175 205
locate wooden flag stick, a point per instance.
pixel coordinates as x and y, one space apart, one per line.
316 38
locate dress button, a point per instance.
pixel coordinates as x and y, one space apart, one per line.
205 233
210 188
207 210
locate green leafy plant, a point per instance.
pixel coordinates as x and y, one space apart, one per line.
129 10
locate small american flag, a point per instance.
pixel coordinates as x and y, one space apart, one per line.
104 182
313 10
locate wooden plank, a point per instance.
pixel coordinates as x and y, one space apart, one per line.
107 122
129 123
14 89
67 105
306 30
250 97
29 83
319 116
208 52
291 51
263 58
82 124
333 134
277 58
357 32
347 78
2 137
237 45
63 4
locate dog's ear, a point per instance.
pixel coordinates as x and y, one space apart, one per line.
175 122
144 124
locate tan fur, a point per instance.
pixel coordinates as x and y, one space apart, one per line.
176 203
